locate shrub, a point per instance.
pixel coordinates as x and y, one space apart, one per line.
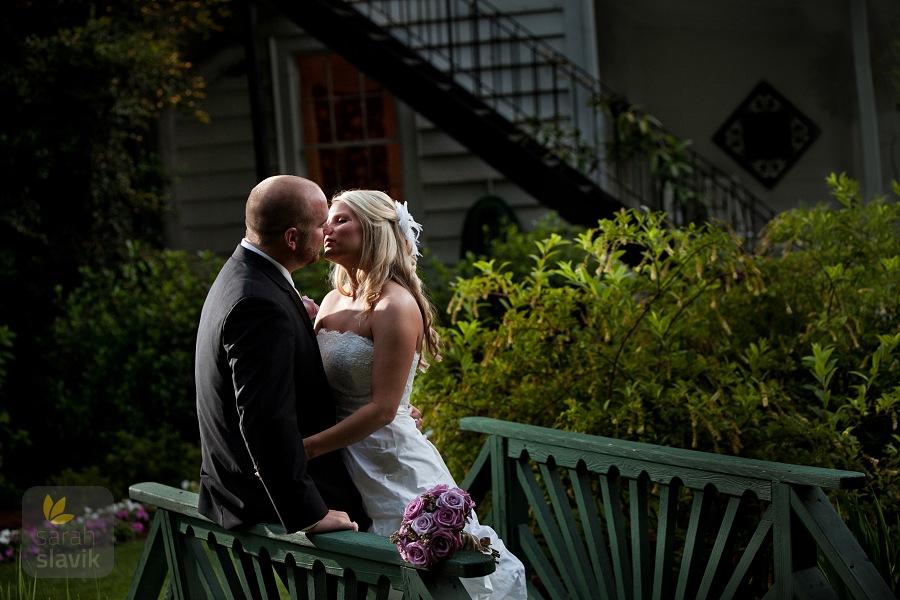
125 361
787 353
161 455
12 439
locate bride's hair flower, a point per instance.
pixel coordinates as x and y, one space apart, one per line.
432 526
408 226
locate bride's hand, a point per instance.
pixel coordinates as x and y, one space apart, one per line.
308 449
416 416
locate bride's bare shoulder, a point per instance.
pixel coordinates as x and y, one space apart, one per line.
394 293
396 302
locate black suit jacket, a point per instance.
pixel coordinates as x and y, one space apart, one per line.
260 388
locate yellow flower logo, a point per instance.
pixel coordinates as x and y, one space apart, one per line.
54 512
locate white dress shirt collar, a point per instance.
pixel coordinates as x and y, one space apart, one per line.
277 264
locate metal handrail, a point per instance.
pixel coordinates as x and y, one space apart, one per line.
569 111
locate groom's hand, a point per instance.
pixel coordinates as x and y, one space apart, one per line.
335 520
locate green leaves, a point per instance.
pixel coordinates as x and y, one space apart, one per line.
786 353
124 351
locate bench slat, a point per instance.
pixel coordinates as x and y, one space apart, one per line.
665 539
593 533
575 555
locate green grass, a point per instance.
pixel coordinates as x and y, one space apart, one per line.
16 585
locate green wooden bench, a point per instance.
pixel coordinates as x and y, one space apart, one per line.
590 517
595 517
187 556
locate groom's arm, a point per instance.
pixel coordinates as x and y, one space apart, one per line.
259 341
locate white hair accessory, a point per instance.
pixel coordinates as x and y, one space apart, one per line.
408 226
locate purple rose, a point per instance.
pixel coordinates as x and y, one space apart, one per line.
444 543
456 499
423 524
414 508
450 518
438 489
416 554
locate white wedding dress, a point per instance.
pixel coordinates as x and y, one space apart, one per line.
397 463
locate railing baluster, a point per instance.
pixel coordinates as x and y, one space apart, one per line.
761 535
615 527
534 554
665 538
201 564
693 538
222 563
593 532
548 524
462 58
642 567
576 559
718 551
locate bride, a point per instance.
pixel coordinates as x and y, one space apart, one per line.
374 329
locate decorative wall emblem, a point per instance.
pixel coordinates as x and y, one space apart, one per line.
766 135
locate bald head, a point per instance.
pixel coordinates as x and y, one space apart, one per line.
278 203
285 218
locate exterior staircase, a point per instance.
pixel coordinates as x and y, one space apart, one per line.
524 108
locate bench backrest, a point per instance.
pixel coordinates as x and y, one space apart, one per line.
193 558
596 517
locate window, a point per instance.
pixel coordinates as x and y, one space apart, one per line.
349 128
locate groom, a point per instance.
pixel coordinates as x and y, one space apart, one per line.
260 382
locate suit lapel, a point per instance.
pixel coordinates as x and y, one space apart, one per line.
272 273
304 316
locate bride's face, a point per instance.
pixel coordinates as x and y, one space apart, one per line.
343 236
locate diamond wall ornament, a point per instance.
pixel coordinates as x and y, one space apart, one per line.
766 134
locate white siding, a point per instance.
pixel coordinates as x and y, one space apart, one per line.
213 165
213 169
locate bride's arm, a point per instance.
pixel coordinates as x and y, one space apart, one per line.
396 329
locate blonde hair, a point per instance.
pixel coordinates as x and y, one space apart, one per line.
387 255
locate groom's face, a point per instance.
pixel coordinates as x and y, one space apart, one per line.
312 234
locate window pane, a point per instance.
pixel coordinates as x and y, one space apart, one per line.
349 128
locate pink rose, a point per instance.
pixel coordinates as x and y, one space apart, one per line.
312 309
450 518
438 489
444 543
414 508
416 554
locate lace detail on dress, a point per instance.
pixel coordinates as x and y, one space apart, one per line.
348 359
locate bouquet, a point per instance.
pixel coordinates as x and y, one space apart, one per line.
432 527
